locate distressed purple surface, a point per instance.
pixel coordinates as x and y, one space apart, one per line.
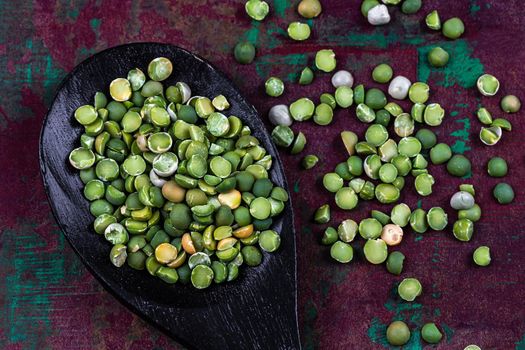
49 300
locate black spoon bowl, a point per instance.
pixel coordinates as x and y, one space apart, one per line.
259 309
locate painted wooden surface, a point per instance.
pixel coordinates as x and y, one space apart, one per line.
48 299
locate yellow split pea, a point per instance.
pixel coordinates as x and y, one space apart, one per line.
165 253
120 89
231 199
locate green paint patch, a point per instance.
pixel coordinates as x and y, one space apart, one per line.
374 37
293 76
33 270
474 7
288 64
377 332
84 52
415 341
340 274
307 230
449 332
402 306
414 40
460 146
73 13
398 306
418 238
377 39
37 71
419 203
280 7
28 69
52 76
296 186
324 287
462 69
454 113
274 36
462 133
252 34
335 277
309 333
95 24
436 256
311 312
520 345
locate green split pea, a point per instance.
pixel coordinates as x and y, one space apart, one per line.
178 186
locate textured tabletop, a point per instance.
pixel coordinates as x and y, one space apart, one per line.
48 299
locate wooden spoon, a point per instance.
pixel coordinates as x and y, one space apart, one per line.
259 309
